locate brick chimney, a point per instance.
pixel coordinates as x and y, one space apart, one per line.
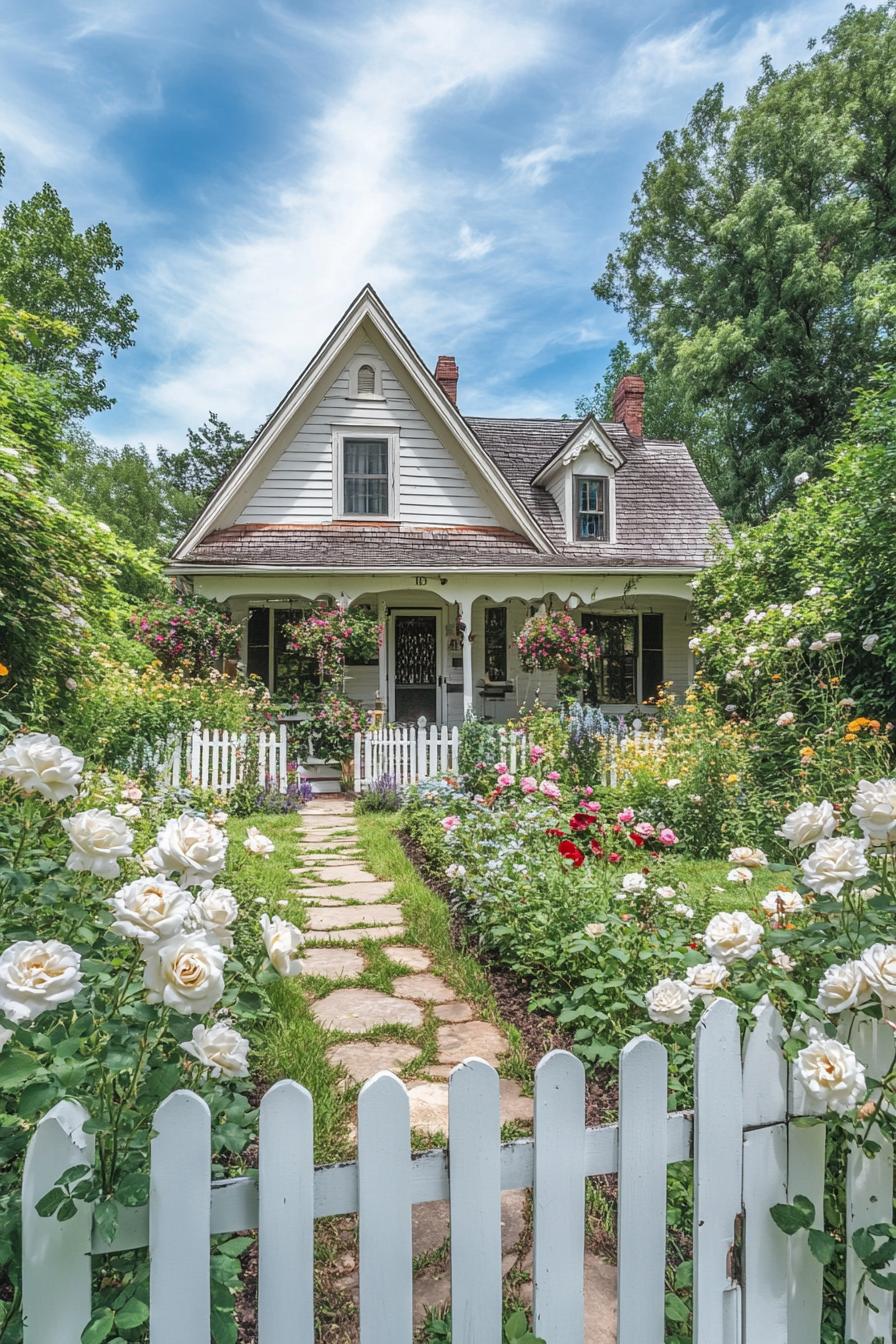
447 375
628 404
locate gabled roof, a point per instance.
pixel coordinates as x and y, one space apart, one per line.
589 433
366 307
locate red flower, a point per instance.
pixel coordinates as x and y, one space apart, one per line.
580 822
554 830
637 840
597 849
568 850
614 857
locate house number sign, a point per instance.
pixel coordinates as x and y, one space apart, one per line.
421 581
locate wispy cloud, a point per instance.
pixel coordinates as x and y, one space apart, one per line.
472 246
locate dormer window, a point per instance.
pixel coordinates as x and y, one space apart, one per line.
591 508
366 381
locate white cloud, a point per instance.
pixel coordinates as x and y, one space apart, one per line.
472 246
535 166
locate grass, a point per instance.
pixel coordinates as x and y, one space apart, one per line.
703 876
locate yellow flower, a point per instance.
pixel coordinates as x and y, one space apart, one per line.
850 737
731 779
807 753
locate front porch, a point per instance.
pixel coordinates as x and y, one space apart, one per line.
449 641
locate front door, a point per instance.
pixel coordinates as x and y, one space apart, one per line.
415 667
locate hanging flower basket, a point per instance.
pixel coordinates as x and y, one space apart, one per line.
553 642
334 637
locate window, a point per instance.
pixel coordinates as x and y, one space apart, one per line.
267 656
496 643
651 654
591 508
614 679
365 468
258 643
366 381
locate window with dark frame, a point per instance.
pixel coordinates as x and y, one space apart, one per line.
591 508
365 477
496 643
613 681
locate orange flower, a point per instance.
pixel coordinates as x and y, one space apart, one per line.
807 753
4 670
850 737
874 725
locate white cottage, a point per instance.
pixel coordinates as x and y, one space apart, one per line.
368 487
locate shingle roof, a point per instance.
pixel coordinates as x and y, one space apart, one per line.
664 514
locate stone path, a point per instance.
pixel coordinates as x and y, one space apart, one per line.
345 906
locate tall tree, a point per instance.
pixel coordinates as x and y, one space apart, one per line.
191 476
121 487
53 271
759 269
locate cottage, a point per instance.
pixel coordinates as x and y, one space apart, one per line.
368 487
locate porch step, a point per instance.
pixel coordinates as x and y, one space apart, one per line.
322 778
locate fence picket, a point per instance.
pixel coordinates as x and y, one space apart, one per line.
641 1223
179 1221
286 1216
56 1269
384 1212
206 757
718 1138
869 1197
765 1255
214 759
805 1176
474 1165
195 751
559 1198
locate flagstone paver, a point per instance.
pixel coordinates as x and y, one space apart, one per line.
413 957
340 872
362 1059
453 1012
366 892
347 916
335 963
429 1105
359 1010
384 933
459 1041
425 988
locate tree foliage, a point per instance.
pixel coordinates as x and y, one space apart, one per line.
50 269
759 269
191 476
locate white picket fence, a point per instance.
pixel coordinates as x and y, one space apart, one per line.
752 1284
409 753
215 759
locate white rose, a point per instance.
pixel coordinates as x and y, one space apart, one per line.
218 818
707 978
833 637
595 930
36 976
666 893
732 935
781 959
879 966
842 987
808 823
673 783
633 882
259 844
875 807
190 846
813 591
185 973
801 479
740 874
683 911
282 942
38 763
98 841
777 904
220 1049
786 719
830 1071
794 642
130 811
869 642
455 870
215 910
669 1001
149 909
817 645
745 857
833 863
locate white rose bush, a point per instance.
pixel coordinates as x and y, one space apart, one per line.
127 970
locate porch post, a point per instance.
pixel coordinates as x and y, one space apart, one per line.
465 605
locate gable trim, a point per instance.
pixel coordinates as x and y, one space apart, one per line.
366 305
588 434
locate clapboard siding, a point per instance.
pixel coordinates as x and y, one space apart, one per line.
432 485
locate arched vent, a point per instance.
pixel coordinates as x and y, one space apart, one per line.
366 381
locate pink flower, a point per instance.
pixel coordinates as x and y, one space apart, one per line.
553 774
549 789
535 754
586 793
591 807
505 780
501 768
667 836
450 823
528 784
626 815
645 830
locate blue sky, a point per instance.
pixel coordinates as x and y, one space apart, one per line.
259 160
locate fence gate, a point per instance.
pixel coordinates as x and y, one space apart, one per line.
752 1284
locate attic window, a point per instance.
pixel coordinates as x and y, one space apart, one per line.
591 508
366 381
